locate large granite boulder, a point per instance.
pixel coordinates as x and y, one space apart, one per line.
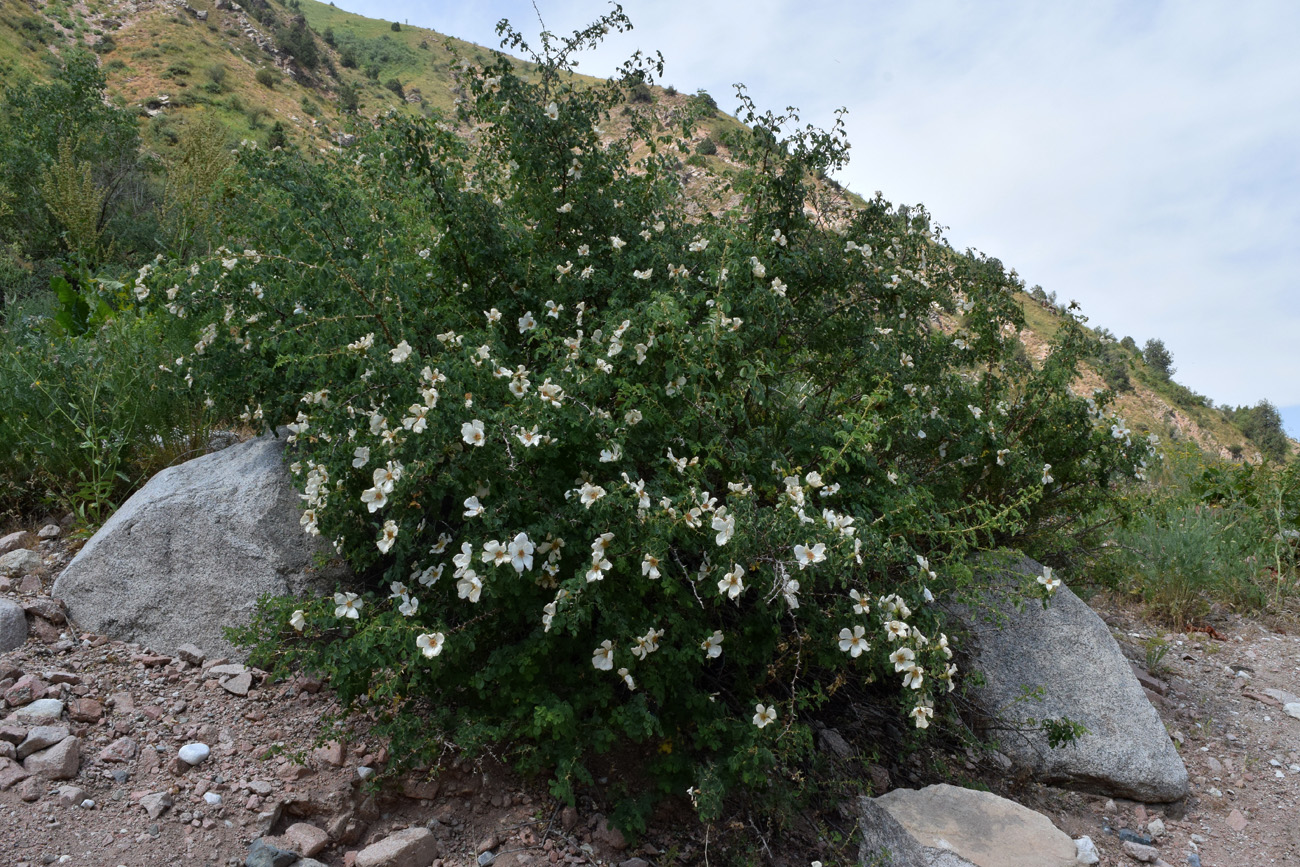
884 843
192 551
1065 655
979 827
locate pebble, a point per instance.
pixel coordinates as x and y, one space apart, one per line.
212 798
1292 709
1133 837
194 754
1156 828
365 772
1193 860
1085 851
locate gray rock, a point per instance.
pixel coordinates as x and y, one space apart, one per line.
239 684
40 712
13 626
885 843
190 552
414 847
194 754
1292 709
59 762
979 827
945 858
1066 652
191 654
833 742
49 531
156 803
263 854
20 562
39 738
1282 696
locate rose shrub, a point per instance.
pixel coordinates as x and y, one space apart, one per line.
614 469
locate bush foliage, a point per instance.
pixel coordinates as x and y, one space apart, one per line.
611 474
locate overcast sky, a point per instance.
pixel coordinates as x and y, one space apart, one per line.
1140 157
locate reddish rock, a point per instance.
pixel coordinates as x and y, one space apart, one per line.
30 789
30 584
333 753
607 835
46 608
85 710
43 630
120 750
27 690
11 773
1236 821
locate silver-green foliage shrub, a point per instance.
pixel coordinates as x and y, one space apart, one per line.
615 469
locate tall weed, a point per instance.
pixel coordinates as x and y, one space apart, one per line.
1207 531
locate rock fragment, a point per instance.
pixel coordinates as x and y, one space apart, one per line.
59 762
13 626
156 803
414 847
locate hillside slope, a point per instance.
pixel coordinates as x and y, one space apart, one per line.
311 72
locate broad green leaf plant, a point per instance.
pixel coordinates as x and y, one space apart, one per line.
613 469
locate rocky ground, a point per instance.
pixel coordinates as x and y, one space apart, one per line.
92 734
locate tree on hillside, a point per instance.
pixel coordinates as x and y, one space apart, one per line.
297 41
1159 358
36 120
1262 425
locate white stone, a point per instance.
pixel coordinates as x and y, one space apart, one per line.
365 773
1086 851
194 754
40 712
213 799
1292 709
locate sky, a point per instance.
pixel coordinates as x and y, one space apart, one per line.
1140 157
